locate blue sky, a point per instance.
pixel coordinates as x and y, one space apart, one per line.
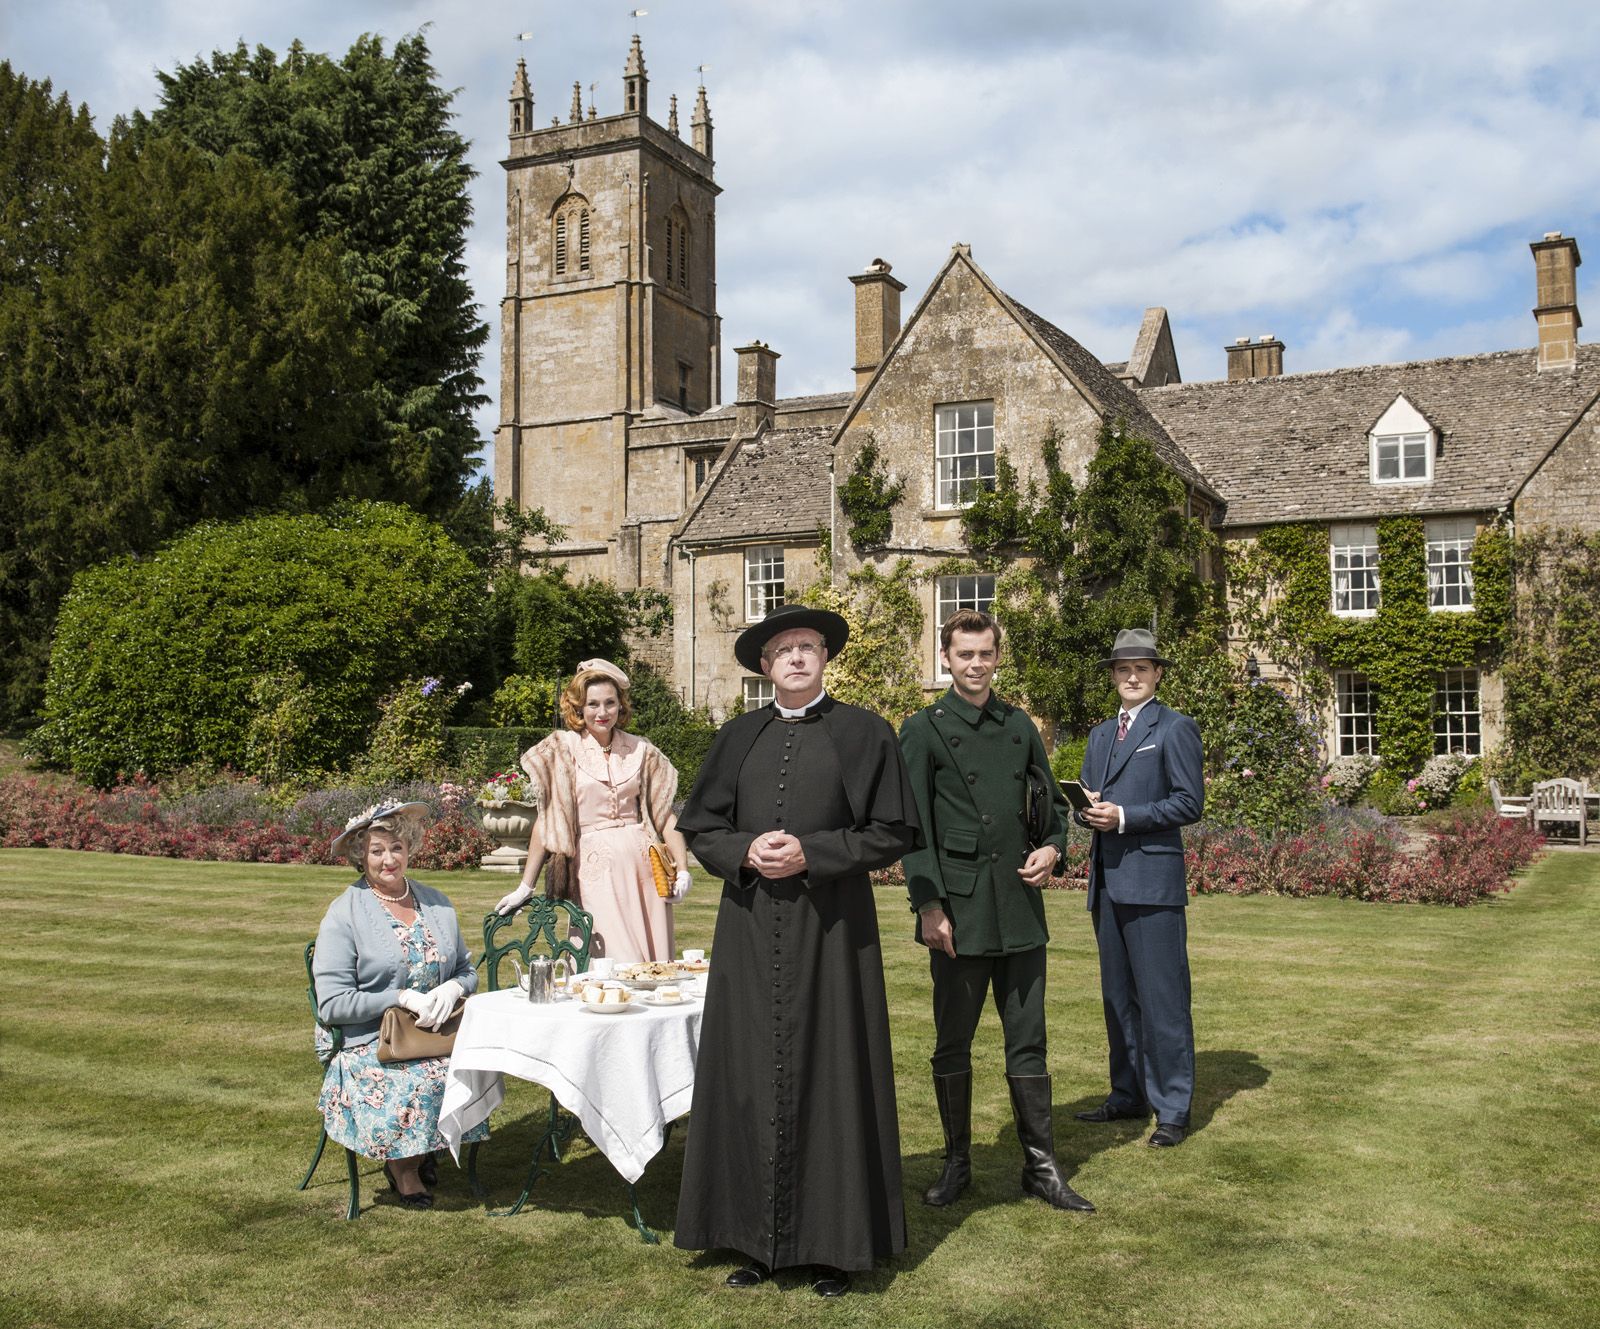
1361 179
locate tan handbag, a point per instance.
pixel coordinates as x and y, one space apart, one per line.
662 868
399 1038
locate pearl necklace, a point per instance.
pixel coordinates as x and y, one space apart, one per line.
390 899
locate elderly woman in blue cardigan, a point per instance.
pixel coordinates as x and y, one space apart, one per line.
387 941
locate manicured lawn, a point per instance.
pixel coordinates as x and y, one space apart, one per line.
1396 1125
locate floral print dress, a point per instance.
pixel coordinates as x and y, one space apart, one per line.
389 1111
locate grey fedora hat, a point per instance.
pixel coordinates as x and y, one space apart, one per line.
1134 644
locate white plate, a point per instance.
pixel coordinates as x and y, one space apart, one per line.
653 1000
608 1007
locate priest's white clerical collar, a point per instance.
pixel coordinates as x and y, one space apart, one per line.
811 705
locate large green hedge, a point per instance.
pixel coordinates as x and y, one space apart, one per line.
155 659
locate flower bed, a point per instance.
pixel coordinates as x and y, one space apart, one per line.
135 818
1469 857
1352 854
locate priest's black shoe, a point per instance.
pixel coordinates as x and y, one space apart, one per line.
831 1282
1041 1174
1110 1112
953 1093
1165 1135
751 1275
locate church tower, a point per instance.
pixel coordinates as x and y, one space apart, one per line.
610 308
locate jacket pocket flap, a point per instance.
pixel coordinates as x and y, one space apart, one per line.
961 842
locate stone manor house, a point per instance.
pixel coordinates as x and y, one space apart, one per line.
612 416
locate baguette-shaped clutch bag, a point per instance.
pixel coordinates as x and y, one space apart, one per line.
400 1039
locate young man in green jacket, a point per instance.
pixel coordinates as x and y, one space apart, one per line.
975 888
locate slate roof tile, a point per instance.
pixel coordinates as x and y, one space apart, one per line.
1295 447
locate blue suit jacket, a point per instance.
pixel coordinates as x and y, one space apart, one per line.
1156 775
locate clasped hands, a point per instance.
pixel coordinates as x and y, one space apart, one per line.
433 1008
776 855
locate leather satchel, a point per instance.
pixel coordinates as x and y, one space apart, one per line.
400 1038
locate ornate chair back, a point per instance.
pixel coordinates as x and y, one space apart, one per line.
554 928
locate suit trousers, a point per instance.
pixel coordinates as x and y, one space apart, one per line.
959 988
1144 985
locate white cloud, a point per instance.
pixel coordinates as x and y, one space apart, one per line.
1360 177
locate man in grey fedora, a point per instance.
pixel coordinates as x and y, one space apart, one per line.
1145 768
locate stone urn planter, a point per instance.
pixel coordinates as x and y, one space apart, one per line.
510 824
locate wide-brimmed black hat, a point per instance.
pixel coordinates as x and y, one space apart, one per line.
835 632
1134 644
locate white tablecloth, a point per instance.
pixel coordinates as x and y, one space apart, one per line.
623 1076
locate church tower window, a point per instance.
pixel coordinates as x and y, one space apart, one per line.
569 233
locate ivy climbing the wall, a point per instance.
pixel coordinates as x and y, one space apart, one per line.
1282 592
1075 565
868 497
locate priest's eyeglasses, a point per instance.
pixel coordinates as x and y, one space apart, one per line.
803 648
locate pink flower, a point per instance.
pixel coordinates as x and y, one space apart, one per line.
1247 772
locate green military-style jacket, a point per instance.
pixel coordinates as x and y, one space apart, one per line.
968 771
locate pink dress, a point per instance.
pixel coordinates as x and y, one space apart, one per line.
631 922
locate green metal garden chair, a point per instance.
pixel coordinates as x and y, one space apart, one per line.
353 1210
540 937
546 935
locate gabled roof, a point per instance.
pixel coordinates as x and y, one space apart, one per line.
1295 447
1102 389
1111 396
771 485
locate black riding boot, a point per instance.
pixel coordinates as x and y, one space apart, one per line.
1041 1174
953 1093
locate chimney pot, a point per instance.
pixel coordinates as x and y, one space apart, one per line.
756 404
877 317
1555 312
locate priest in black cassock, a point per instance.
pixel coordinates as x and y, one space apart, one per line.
793 1157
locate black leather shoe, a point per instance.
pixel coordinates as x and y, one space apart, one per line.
1041 1174
752 1275
428 1171
1165 1135
831 1282
1108 1112
953 1094
416 1200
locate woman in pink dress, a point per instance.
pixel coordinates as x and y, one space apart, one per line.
602 791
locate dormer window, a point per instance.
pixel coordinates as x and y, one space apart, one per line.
1402 444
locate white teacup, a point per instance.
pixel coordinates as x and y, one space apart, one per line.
601 966
694 957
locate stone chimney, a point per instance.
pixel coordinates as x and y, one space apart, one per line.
877 317
757 401
1556 260
1255 359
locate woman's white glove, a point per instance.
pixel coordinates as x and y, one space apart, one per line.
509 904
413 1001
681 884
438 1004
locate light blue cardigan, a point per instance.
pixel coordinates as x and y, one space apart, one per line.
358 961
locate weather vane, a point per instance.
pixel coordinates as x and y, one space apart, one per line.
636 15
701 70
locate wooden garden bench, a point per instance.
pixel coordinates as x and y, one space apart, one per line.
1561 802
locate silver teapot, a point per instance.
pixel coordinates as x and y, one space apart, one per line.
540 978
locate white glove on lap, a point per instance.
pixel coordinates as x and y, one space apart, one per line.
438 1004
413 1001
681 884
509 904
